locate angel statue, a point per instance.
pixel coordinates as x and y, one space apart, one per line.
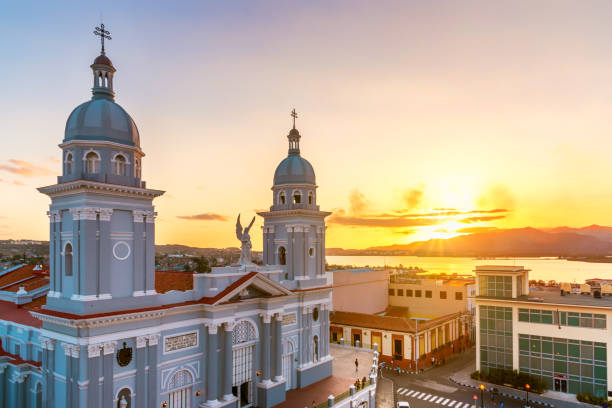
245 239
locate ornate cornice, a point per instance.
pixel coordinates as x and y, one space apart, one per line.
285 213
97 321
81 186
89 143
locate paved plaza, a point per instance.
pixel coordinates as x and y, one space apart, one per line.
343 375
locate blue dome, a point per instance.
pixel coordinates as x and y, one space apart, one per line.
294 170
101 119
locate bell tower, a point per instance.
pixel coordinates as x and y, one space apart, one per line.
294 227
102 219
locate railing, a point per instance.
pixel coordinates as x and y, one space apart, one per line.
339 400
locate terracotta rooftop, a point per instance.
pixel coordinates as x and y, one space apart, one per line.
17 360
19 314
166 281
389 323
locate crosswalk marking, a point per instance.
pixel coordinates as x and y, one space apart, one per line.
434 399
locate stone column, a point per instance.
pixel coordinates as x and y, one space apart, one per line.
53 248
305 337
152 380
105 253
211 366
139 253
93 392
290 252
141 344
265 347
50 392
150 253
88 253
278 347
19 384
71 353
228 361
2 382
76 251
108 373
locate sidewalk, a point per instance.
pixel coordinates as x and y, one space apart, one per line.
548 399
343 376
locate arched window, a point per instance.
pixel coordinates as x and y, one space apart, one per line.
310 198
119 165
281 198
68 259
311 252
179 387
282 256
92 163
68 162
124 398
244 331
297 197
315 349
137 168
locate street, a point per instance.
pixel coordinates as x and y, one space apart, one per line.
433 388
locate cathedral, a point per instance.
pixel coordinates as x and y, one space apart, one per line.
102 333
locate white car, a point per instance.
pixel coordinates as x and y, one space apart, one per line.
403 404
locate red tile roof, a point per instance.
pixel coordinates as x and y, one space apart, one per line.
21 273
166 281
18 314
17 360
204 300
390 323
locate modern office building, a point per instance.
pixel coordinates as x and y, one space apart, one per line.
565 339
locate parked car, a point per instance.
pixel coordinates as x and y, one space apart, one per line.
403 404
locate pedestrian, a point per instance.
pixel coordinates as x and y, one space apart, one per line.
433 360
356 364
313 404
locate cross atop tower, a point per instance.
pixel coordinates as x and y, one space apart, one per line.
99 31
294 115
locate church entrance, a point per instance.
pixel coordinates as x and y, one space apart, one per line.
243 339
180 390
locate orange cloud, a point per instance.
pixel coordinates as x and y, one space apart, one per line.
358 202
472 230
24 168
203 217
471 220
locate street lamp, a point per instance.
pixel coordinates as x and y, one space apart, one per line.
527 387
482 387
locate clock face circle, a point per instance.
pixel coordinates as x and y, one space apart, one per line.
121 250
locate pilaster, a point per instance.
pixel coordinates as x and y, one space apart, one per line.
153 340
149 282
141 344
139 252
211 366
105 253
108 350
228 359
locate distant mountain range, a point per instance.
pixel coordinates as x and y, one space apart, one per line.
591 241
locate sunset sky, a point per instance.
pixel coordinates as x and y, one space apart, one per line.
422 119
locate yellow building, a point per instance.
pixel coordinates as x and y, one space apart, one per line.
399 337
430 298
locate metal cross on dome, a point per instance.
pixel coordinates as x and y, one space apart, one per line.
294 115
102 33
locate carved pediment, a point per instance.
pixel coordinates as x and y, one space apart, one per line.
256 287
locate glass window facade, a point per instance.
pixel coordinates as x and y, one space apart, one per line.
495 337
588 320
581 363
496 286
